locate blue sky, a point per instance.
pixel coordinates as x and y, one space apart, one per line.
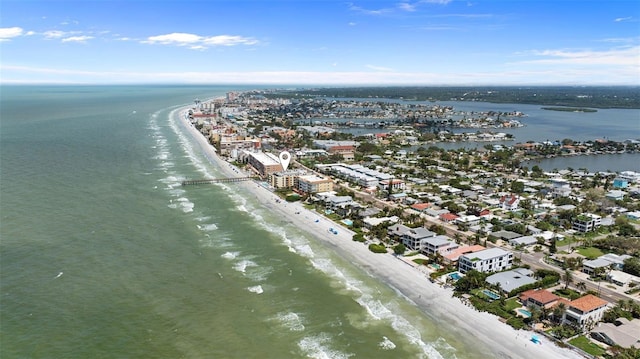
324 42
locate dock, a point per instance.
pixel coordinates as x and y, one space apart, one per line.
194 182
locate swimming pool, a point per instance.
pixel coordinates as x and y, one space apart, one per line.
348 222
490 294
455 276
524 312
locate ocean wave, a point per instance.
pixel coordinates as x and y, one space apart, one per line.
386 344
207 227
242 265
291 321
256 289
230 255
318 347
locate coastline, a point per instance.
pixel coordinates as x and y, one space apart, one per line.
501 340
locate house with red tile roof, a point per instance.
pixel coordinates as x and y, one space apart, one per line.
538 298
420 206
453 255
509 202
448 217
585 311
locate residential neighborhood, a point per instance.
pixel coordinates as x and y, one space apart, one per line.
557 251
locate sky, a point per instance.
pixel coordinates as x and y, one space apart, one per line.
321 42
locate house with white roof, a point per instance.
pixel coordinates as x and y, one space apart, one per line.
437 244
413 238
488 260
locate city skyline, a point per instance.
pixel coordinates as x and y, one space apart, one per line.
428 42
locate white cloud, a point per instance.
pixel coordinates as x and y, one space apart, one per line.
623 19
441 2
407 7
77 39
605 76
379 68
199 42
55 34
7 33
624 56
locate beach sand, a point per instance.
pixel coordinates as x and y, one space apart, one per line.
501 339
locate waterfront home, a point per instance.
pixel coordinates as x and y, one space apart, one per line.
396 231
538 298
488 260
371 222
510 280
414 237
437 244
623 332
451 256
585 311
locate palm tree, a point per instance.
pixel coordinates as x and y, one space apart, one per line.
567 277
582 286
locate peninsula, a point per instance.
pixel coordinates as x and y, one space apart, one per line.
552 252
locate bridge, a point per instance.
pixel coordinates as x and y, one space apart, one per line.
217 180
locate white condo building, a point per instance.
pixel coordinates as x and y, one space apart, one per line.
488 260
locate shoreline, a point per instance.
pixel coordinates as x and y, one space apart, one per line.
501 340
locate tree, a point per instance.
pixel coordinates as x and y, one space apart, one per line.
517 187
399 249
567 278
631 266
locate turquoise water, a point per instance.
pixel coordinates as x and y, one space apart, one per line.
104 255
491 294
455 276
525 312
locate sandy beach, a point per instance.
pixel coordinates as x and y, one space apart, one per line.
500 338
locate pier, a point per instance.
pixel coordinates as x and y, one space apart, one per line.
217 180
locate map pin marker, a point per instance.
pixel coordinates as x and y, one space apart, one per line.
285 158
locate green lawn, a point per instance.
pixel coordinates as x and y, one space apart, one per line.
590 252
512 304
585 344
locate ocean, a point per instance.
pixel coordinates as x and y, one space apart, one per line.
103 254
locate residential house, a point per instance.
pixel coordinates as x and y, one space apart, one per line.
523 241
412 239
586 222
620 182
623 332
437 244
560 187
606 262
510 280
371 222
488 260
452 256
509 202
396 231
585 311
448 217
615 195
538 298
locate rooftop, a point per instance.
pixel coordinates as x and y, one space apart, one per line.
588 303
